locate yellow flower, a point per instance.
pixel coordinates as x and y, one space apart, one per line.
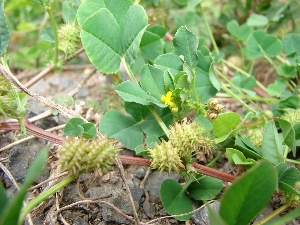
168 99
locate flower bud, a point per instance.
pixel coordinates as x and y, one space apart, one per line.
219 108
212 103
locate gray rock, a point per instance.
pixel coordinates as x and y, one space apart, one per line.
130 183
21 157
82 93
137 194
70 194
40 87
154 181
265 212
63 82
80 221
140 172
37 220
118 198
149 209
201 216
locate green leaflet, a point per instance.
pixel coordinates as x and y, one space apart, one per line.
260 44
244 199
126 23
272 147
4 32
185 44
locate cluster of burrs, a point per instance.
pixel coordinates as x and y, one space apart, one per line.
78 155
69 39
186 140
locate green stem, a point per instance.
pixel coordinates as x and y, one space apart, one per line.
209 30
159 120
237 98
293 161
273 214
54 26
237 89
282 60
242 52
156 116
44 195
129 71
245 73
20 107
210 164
286 151
194 87
254 98
268 58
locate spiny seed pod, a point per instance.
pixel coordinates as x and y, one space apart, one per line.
69 39
293 116
185 141
185 136
165 157
7 101
79 155
256 136
205 145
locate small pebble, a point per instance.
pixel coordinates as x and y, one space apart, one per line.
140 172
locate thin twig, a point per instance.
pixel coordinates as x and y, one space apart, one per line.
122 173
9 146
83 81
48 180
148 172
48 69
183 214
63 110
40 116
84 198
123 158
99 202
8 174
39 76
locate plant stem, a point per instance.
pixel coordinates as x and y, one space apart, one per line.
20 107
44 195
129 71
54 26
210 164
282 60
242 52
286 151
273 214
237 98
245 73
159 120
209 30
124 158
237 89
293 161
194 86
156 116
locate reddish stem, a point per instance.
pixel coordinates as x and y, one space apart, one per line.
38 132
